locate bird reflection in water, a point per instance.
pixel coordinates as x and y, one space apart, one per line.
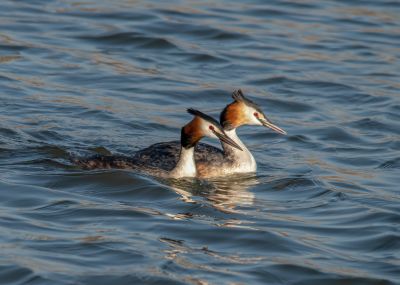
224 194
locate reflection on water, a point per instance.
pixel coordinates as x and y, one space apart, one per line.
116 76
225 194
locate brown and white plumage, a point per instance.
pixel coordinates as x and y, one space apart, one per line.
164 159
211 161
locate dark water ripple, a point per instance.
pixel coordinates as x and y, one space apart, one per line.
114 76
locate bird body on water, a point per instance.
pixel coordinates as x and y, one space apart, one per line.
152 160
212 161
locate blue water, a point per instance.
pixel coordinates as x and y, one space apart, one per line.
88 77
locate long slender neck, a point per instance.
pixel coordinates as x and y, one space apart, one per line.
186 166
245 158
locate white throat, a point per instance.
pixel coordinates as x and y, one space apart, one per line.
243 159
186 166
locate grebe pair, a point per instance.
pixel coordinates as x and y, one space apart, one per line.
188 158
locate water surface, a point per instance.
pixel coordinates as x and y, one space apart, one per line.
89 77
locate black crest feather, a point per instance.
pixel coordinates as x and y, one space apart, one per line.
238 96
205 117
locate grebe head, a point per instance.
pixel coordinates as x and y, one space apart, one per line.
243 111
201 126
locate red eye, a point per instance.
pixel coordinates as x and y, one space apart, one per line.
255 114
211 128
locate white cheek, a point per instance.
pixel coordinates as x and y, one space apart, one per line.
211 134
207 132
254 120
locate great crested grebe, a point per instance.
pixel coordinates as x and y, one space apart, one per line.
201 126
211 161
